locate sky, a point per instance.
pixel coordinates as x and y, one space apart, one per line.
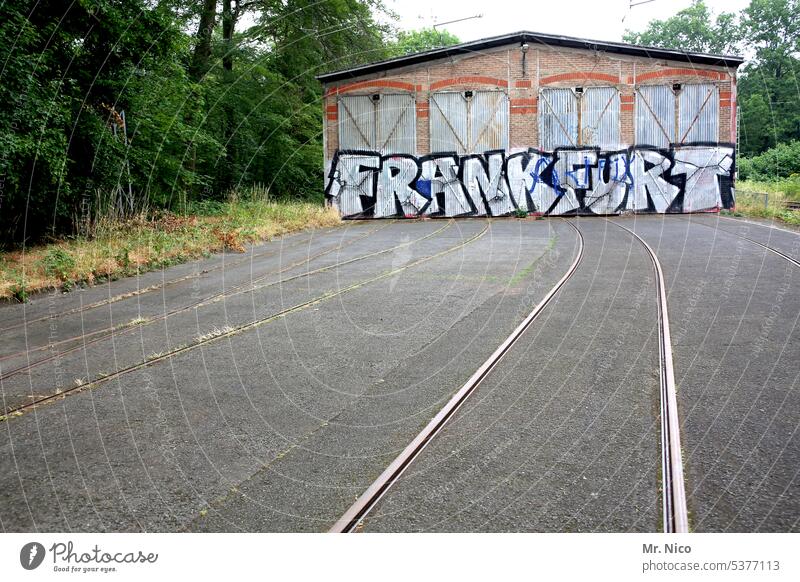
593 19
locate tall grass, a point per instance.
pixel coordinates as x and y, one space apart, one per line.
112 247
768 199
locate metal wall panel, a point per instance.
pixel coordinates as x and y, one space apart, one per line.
386 125
356 123
396 128
600 117
698 110
558 118
448 118
655 115
469 125
489 121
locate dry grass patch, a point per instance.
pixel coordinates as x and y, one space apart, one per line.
766 200
120 249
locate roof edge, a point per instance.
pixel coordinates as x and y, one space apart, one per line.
531 37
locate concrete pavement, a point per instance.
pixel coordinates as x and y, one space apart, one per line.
279 426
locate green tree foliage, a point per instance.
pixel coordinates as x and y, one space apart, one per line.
208 105
769 89
64 82
782 161
424 39
691 29
768 33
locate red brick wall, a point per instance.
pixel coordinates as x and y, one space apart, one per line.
502 68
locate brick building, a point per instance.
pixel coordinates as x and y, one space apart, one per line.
535 123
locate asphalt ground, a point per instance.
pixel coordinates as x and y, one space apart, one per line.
274 406
150 449
563 435
734 311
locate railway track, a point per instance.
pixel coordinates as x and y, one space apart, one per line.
761 224
364 504
150 289
675 514
674 509
755 242
108 331
100 335
21 409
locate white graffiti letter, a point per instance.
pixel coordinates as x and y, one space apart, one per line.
440 175
648 168
353 177
397 174
702 166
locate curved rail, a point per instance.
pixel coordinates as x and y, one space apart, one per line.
155 287
795 262
106 333
21 409
364 504
675 512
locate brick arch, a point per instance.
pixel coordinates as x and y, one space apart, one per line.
579 76
681 73
377 83
472 80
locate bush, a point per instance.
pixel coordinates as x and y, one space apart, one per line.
58 263
782 161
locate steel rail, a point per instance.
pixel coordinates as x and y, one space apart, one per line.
761 224
121 329
158 286
675 512
783 255
364 504
106 333
21 409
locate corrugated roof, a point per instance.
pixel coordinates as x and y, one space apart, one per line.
533 38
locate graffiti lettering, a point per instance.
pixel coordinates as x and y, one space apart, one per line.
683 178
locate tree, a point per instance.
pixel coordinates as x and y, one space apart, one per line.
770 109
208 105
693 30
415 41
205 30
769 30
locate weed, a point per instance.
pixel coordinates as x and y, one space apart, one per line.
58 263
18 291
123 247
216 332
520 213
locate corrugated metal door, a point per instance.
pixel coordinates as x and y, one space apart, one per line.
356 123
469 124
385 125
396 127
448 119
558 118
698 110
489 121
600 117
655 116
